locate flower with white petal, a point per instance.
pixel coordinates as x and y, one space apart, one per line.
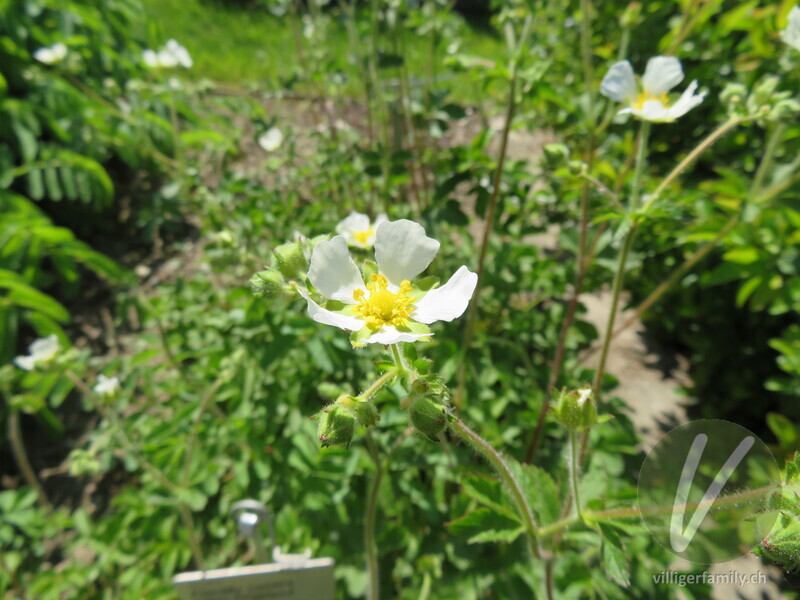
650 100
170 56
108 387
271 139
40 352
358 231
50 55
791 35
388 308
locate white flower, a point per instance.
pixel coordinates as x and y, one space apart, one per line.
271 139
651 103
389 309
170 56
41 351
106 386
51 55
358 231
791 35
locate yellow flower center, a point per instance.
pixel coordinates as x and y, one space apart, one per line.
384 307
363 236
646 96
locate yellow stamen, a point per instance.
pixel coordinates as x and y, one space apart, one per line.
646 96
363 236
384 307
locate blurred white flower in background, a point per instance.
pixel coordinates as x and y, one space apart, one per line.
358 231
51 55
40 352
791 35
651 103
271 139
170 56
106 386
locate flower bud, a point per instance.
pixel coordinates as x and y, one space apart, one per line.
631 15
366 413
556 155
291 260
575 409
576 167
336 425
784 109
428 416
267 283
762 92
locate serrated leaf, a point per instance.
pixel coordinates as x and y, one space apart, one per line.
540 490
615 562
485 525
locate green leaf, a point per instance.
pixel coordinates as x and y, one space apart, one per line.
539 489
484 525
615 563
783 429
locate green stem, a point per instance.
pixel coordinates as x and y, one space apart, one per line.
403 368
373 589
574 470
691 157
499 464
766 160
190 443
377 384
638 513
425 590
619 276
21 457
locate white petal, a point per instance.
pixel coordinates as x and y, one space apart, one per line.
26 363
686 102
390 335
662 74
652 110
353 222
328 317
271 139
449 301
619 84
791 35
402 250
150 58
333 272
44 349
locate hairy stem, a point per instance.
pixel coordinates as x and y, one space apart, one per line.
499 464
574 470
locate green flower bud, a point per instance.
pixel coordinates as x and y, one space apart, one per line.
556 155
82 462
734 96
631 15
336 425
267 283
366 413
576 167
784 109
575 409
763 91
291 260
428 416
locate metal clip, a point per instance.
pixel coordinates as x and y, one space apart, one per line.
249 514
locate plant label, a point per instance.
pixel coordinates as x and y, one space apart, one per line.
295 580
